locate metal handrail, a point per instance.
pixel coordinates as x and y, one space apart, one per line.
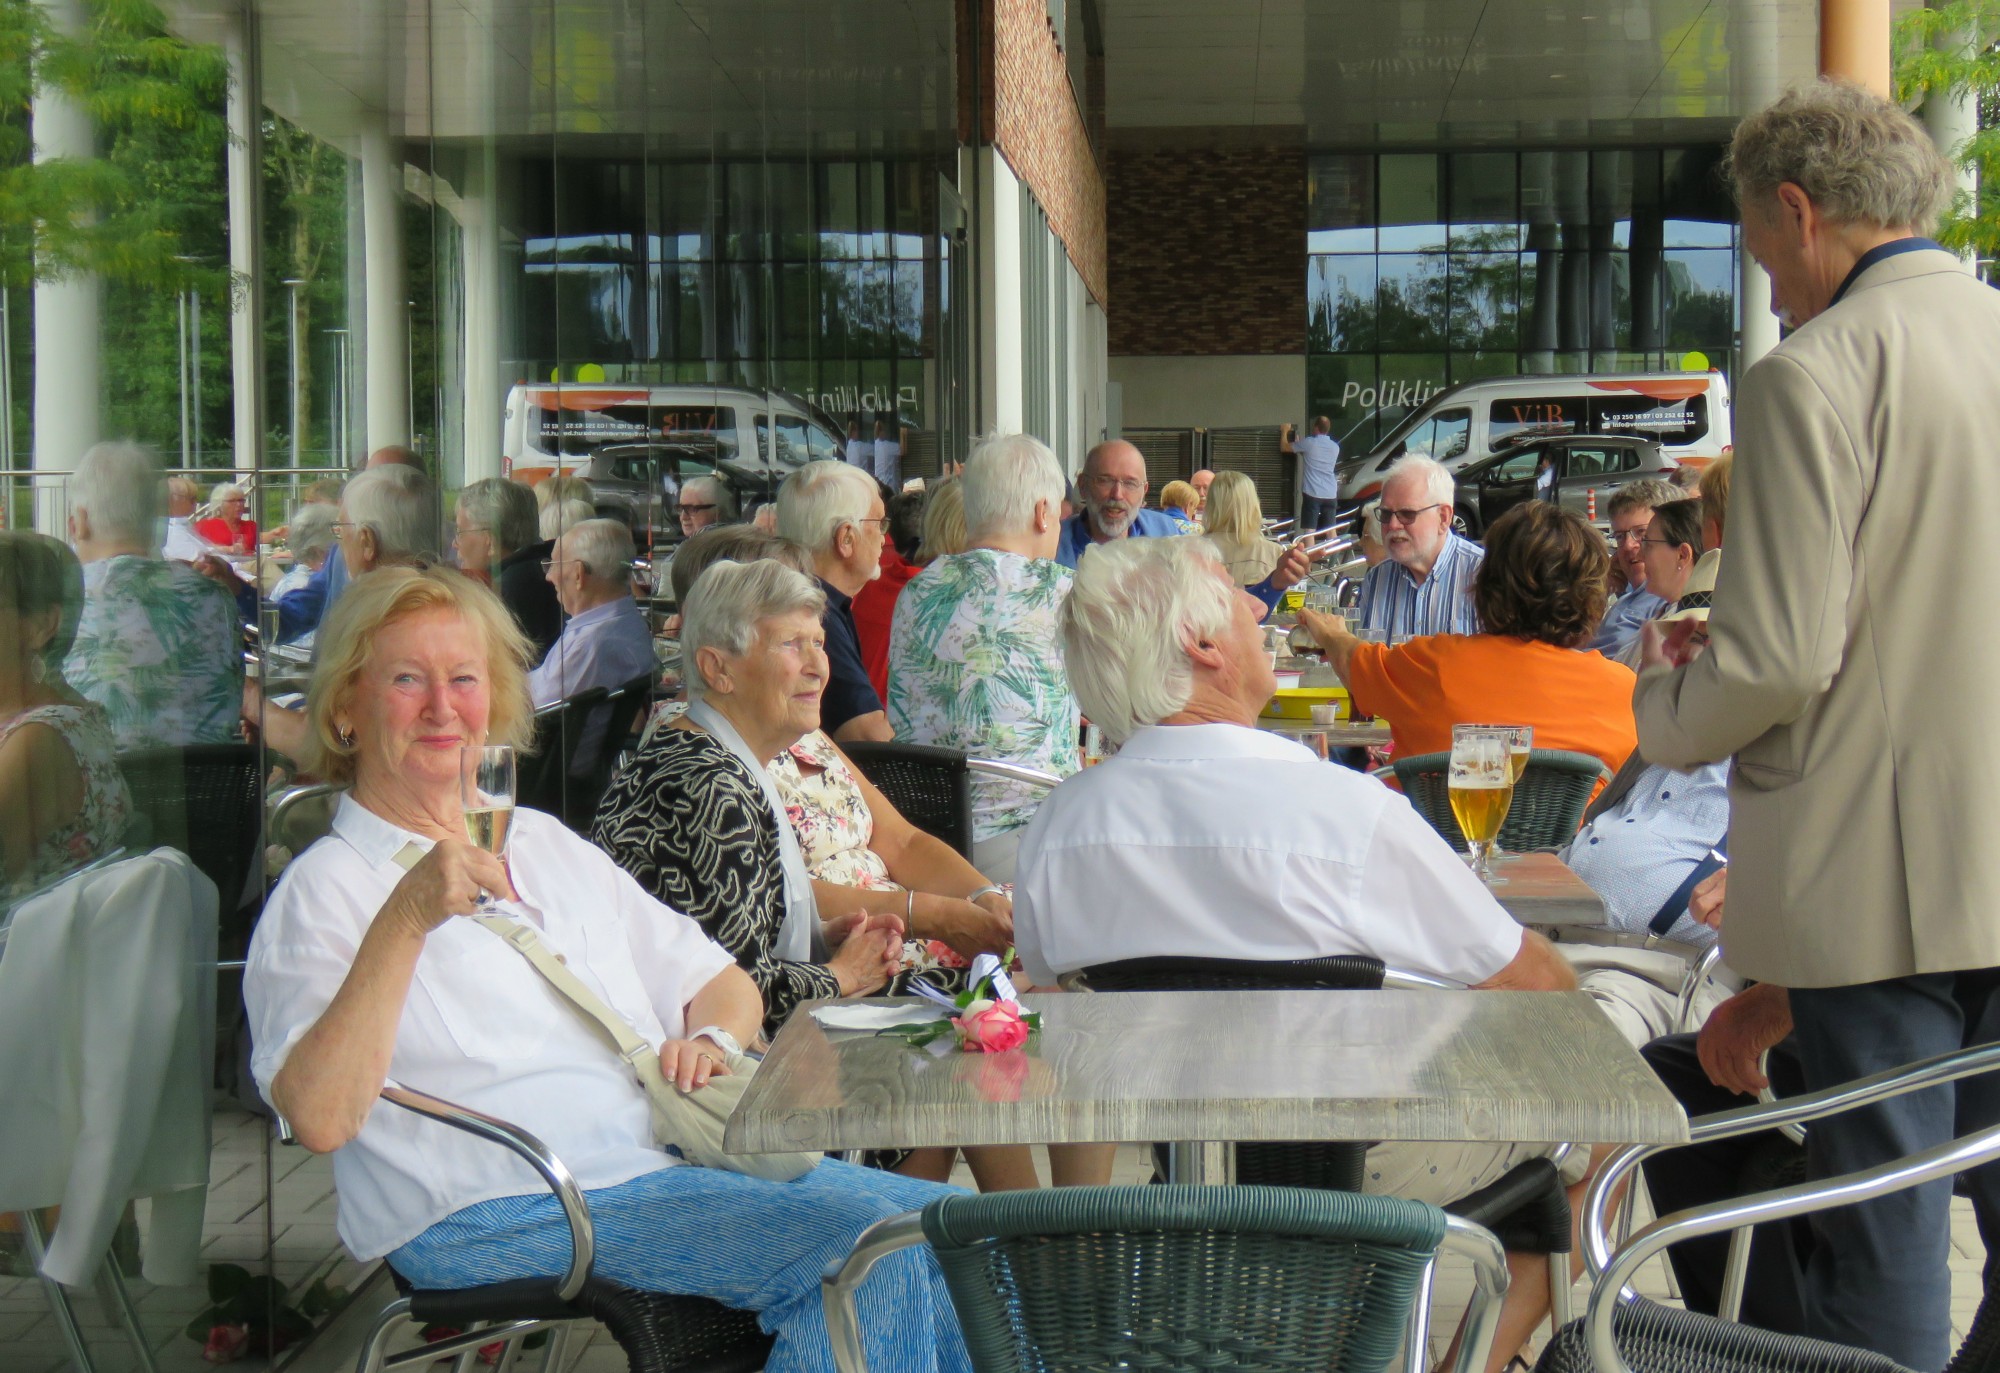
1741 1213
293 797
582 1237
1463 1238
1014 772
1797 1110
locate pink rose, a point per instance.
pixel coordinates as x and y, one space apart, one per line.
944 954
992 1027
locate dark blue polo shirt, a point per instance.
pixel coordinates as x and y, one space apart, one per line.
849 693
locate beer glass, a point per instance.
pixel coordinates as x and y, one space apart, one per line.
1520 743
1482 789
486 776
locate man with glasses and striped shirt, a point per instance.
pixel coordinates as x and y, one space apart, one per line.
1424 586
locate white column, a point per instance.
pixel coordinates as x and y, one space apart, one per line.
246 240
69 330
1952 119
388 346
999 258
1755 49
485 388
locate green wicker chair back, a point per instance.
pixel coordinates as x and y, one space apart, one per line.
1665 1339
1182 1279
1549 800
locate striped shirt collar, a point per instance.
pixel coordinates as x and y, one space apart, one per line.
1393 601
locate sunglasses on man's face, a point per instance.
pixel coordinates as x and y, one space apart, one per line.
1406 517
687 509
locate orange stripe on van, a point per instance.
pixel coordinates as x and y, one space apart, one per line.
1658 390
569 398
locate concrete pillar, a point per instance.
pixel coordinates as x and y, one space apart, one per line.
1753 300
999 343
1854 42
1952 119
388 345
69 331
246 237
485 393
1754 45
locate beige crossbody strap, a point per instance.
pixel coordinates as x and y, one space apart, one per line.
645 1063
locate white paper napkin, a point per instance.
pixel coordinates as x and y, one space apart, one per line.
875 1017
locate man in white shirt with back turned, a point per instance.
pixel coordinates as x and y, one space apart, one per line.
1206 837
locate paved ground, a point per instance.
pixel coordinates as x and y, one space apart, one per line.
305 1250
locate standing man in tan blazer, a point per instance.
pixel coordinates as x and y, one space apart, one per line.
1852 672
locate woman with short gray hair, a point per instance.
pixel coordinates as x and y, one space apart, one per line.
498 540
227 528
755 660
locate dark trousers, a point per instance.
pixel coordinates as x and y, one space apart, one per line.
1316 513
1878 1274
1703 1173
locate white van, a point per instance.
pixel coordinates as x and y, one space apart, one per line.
753 437
1686 412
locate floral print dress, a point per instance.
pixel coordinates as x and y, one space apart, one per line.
99 824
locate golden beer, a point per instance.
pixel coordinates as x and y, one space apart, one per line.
1480 805
1517 763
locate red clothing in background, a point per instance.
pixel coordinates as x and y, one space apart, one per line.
874 608
243 539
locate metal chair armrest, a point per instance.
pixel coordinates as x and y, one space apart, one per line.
1404 980
531 1150
1691 985
1470 1240
843 1276
293 797
1944 1161
1743 1120
1013 772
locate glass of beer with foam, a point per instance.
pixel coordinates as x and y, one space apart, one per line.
1482 790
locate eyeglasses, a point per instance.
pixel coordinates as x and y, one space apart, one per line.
1620 537
339 525
1133 485
881 523
548 563
687 509
1405 516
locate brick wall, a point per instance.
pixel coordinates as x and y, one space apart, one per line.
1207 251
1038 128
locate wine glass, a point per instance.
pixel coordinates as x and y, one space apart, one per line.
486 775
1482 789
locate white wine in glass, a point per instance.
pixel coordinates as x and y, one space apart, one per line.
486 775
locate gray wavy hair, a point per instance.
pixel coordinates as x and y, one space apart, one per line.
1858 157
729 599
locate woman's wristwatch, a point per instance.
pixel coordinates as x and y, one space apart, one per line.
723 1040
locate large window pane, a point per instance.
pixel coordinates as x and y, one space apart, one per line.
1485 202
1412 202
1700 290
1484 301
1340 203
1340 304
1342 387
1410 300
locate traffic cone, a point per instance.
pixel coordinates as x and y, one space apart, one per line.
1590 502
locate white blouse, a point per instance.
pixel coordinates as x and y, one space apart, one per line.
481 1027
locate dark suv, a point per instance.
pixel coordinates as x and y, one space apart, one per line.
1584 463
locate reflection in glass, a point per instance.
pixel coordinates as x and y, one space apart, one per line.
1340 304
1485 202
1340 203
1484 303
1412 203
1700 300
1411 301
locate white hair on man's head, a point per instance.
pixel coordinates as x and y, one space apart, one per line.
727 601
311 531
118 486
1439 489
711 491
559 516
819 498
398 505
504 509
604 547
1006 476
1133 610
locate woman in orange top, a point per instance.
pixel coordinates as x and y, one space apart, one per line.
1540 592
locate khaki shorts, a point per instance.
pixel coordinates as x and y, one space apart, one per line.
1440 1172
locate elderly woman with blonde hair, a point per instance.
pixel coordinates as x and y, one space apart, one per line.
1181 503
1234 522
368 960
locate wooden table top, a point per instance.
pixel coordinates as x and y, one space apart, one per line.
1541 890
1286 1065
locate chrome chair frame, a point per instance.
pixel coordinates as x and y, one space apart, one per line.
1013 772
374 1357
1462 1238
1748 1213
1739 1215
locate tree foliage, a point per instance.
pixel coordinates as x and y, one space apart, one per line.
1953 51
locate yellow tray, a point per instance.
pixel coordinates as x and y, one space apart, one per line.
1296 703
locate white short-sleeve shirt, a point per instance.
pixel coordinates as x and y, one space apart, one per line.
1224 841
480 1027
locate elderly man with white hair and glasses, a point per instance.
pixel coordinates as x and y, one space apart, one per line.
835 512
975 657
158 645
1852 685
1424 586
606 642
1207 837
703 502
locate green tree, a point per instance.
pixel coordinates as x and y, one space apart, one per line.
1953 51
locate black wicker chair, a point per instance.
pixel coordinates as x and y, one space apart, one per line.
1528 1207
659 1333
1549 800
543 776
930 787
595 758
207 801
1622 1333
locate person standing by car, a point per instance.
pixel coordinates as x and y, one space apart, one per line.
1319 473
860 449
1545 476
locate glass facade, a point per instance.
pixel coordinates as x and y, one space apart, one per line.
1426 269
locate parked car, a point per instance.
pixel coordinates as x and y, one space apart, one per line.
1599 463
1685 413
640 483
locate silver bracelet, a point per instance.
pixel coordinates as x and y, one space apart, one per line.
909 910
990 889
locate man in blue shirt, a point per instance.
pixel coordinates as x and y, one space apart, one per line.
1113 485
606 642
1319 474
1424 586
1631 516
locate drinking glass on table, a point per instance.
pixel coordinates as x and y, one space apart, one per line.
486 777
1481 786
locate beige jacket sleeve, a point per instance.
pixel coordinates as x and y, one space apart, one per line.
1778 629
